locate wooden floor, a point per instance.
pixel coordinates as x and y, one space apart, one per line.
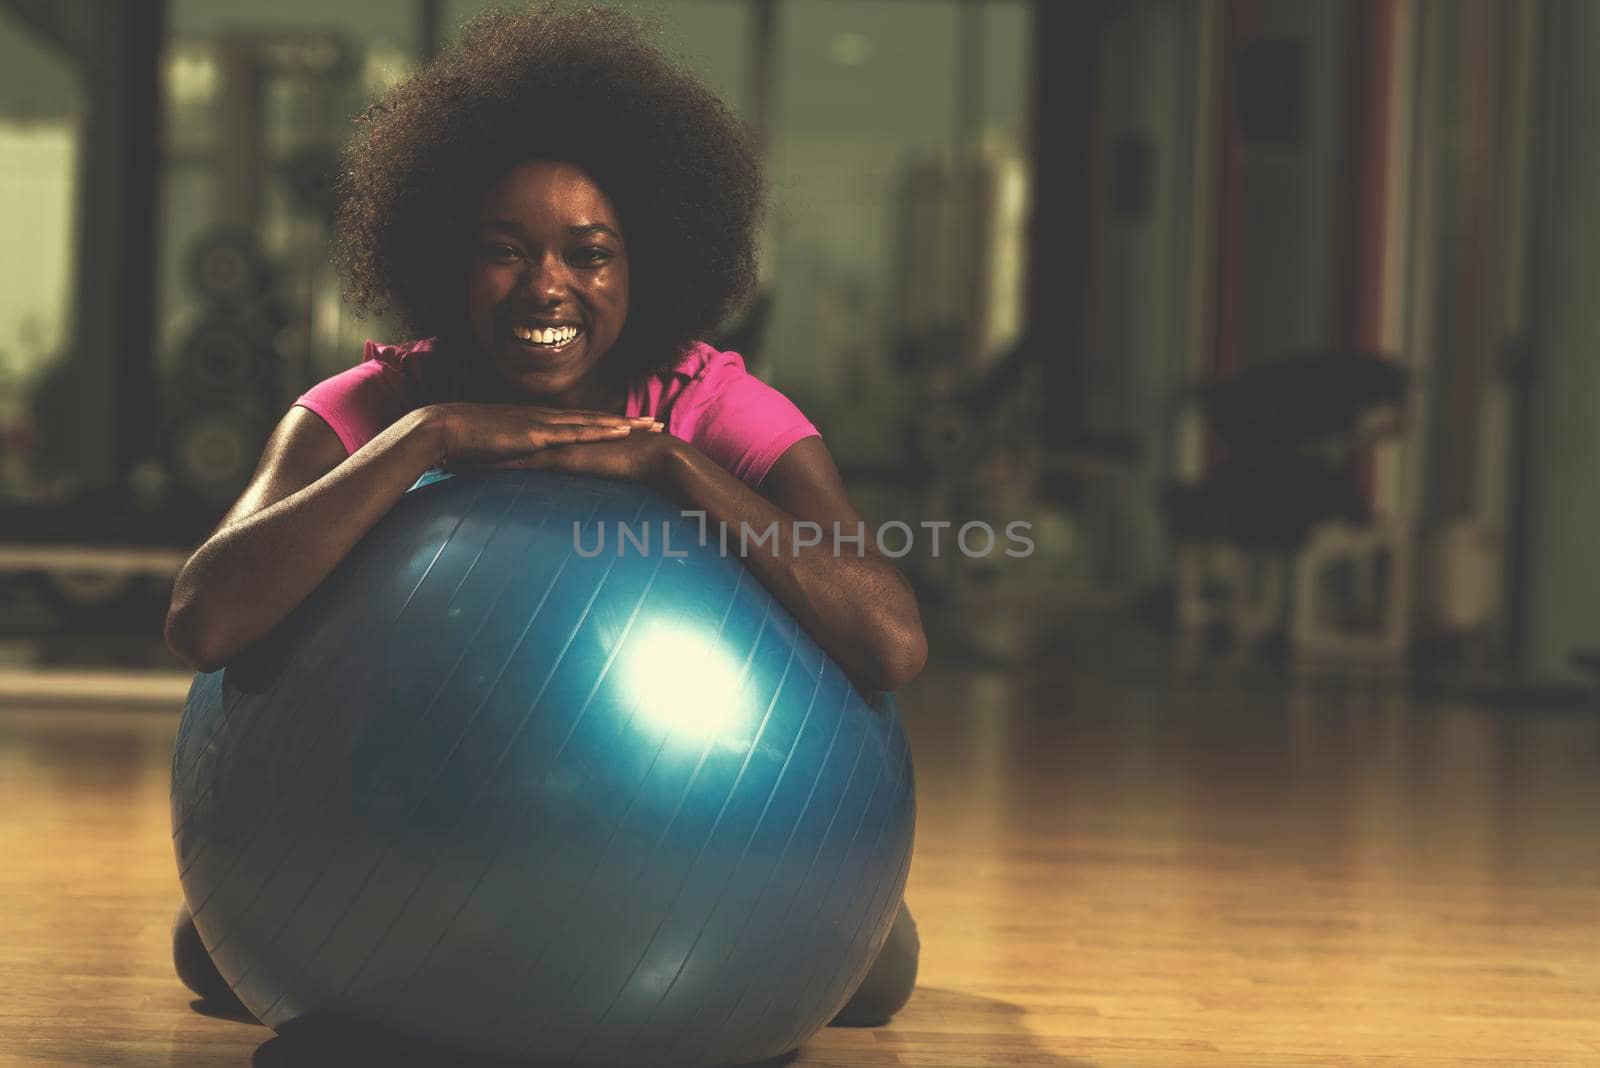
1117 864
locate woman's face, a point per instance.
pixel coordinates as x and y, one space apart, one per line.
547 281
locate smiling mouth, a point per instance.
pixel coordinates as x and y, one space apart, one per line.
547 339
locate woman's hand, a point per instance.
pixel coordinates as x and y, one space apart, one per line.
639 457
501 435
521 437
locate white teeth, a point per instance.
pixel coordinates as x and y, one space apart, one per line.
550 336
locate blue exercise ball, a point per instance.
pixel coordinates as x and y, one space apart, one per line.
507 783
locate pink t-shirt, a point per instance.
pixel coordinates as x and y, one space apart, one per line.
708 400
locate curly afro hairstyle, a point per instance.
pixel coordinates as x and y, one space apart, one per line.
585 87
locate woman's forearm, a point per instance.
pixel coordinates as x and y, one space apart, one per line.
853 601
251 573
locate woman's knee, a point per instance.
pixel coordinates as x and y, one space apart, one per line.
888 984
193 963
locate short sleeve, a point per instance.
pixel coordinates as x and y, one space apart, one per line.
360 403
739 421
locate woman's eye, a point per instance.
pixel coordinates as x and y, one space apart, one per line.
592 256
500 252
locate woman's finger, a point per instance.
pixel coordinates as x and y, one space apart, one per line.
556 415
596 419
568 432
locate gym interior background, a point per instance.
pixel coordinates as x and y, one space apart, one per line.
1273 318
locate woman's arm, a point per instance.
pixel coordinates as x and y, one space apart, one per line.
853 600
303 510
308 505
859 608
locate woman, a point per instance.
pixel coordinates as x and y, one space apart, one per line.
558 213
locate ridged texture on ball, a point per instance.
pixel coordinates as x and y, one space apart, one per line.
484 790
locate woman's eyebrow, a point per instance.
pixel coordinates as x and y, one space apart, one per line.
593 228
513 226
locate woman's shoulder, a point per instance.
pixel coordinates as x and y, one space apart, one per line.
415 363
390 380
700 359
716 404
397 364
704 373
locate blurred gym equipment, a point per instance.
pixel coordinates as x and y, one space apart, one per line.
1278 539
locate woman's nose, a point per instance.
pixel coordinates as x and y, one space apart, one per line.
547 279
